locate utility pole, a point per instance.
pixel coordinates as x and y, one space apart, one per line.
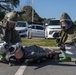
32 11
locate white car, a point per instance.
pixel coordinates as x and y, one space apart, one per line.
22 27
36 30
52 28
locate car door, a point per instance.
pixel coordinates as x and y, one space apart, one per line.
40 31
34 31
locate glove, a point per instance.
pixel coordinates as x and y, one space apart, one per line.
62 48
57 40
6 46
12 48
56 34
19 45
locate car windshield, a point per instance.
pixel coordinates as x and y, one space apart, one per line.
54 22
21 24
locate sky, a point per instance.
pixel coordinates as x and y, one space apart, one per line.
52 8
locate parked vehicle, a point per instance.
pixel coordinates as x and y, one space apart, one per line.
22 27
36 31
52 28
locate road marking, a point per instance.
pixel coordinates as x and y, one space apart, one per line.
21 69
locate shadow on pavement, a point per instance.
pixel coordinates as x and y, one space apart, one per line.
51 62
43 63
12 63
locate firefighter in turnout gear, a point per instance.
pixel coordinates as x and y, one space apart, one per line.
67 36
10 35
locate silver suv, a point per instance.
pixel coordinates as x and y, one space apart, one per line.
36 31
22 27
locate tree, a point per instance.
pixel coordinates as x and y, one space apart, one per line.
15 2
6 5
28 15
2 15
75 22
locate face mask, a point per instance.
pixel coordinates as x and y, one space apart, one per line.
63 28
10 25
66 25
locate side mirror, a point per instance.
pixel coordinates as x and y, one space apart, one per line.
56 35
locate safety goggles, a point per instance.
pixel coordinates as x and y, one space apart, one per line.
66 23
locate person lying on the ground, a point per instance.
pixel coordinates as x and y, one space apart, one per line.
29 52
33 51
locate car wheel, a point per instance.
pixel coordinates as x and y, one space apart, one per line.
45 37
29 35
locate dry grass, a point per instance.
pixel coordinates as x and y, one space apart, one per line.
39 42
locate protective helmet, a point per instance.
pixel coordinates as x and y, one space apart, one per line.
65 17
67 21
11 16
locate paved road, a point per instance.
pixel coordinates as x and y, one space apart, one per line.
7 70
48 67
51 68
